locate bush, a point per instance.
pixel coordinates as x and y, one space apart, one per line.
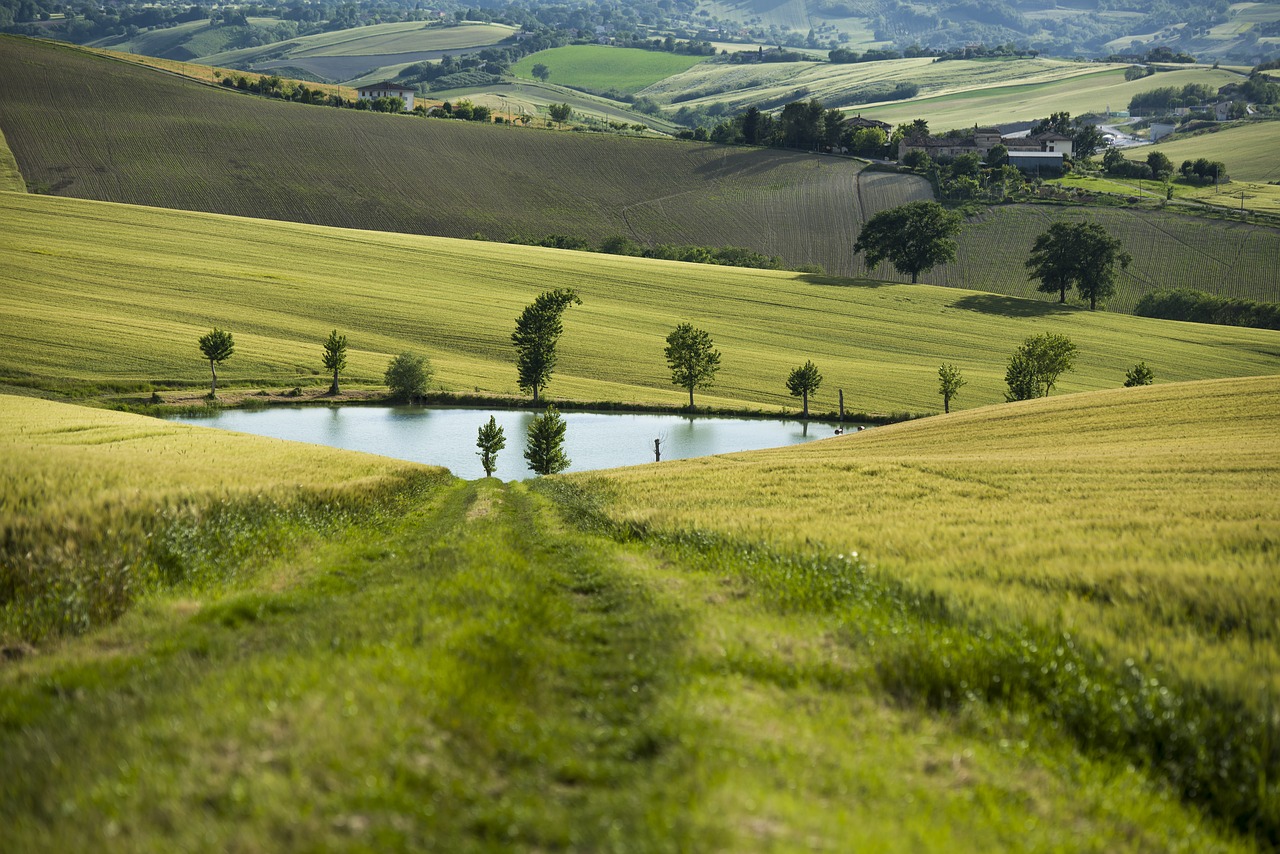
407 376
1200 307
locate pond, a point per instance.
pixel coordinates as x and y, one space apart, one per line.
447 436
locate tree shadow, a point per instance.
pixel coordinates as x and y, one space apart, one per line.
1012 306
841 281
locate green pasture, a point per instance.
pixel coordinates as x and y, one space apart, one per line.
1263 198
485 665
231 153
1091 91
605 69
104 296
10 178
1250 149
532 98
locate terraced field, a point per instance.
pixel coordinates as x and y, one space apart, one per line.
228 153
104 296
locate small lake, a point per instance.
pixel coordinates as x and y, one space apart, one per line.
447 436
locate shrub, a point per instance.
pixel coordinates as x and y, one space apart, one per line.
407 376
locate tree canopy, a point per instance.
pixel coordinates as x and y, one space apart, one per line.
544 449
538 329
914 238
1036 365
804 381
1082 254
335 357
949 384
692 357
217 346
407 376
490 439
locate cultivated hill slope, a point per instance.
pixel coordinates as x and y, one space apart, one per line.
113 294
85 126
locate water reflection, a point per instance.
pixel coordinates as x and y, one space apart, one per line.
447 437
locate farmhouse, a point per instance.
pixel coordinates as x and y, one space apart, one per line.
1053 145
386 89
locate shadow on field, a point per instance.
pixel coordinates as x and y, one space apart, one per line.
841 282
1011 306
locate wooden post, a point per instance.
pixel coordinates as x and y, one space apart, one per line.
841 406
657 450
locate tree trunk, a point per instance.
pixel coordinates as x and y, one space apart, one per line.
841 406
915 277
535 392
333 389
806 404
1062 294
213 386
946 404
690 398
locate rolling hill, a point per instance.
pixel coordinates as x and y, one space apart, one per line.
106 296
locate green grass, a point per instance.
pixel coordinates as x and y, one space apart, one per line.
115 297
235 154
604 69
1248 149
475 674
1264 198
10 178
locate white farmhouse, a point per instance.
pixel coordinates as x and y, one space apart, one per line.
386 89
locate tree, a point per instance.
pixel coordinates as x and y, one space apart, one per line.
217 346
949 384
1139 374
692 358
541 71
407 376
559 112
997 156
1082 254
1036 365
1160 164
335 357
914 238
490 440
804 381
538 329
544 449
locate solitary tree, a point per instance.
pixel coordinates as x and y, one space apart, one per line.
914 238
544 449
490 440
1082 254
804 381
559 112
692 358
541 71
217 346
949 384
538 329
1139 374
407 376
1036 365
335 357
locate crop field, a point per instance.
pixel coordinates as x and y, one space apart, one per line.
1092 91
10 178
532 98
467 630
109 296
1249 150
229 153
843 85
1169 250
183 42
600 68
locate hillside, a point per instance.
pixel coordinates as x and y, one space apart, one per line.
82 125
105 296
765 698
1249 149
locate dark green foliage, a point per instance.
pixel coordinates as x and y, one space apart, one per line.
692 358
538 329
490 440
914 238
544 449
804 381
217 346
1079 254
335 357
1139 374
407 376
559 112
949 384
1200 307
1036 365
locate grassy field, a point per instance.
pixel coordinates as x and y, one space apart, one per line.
470 673
1263 198
110 296
1093 91
600 68
183 42
1249 150
230 153
11 180
532 98
1169 250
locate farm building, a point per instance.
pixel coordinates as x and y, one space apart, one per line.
1033 162
982 140
386 89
